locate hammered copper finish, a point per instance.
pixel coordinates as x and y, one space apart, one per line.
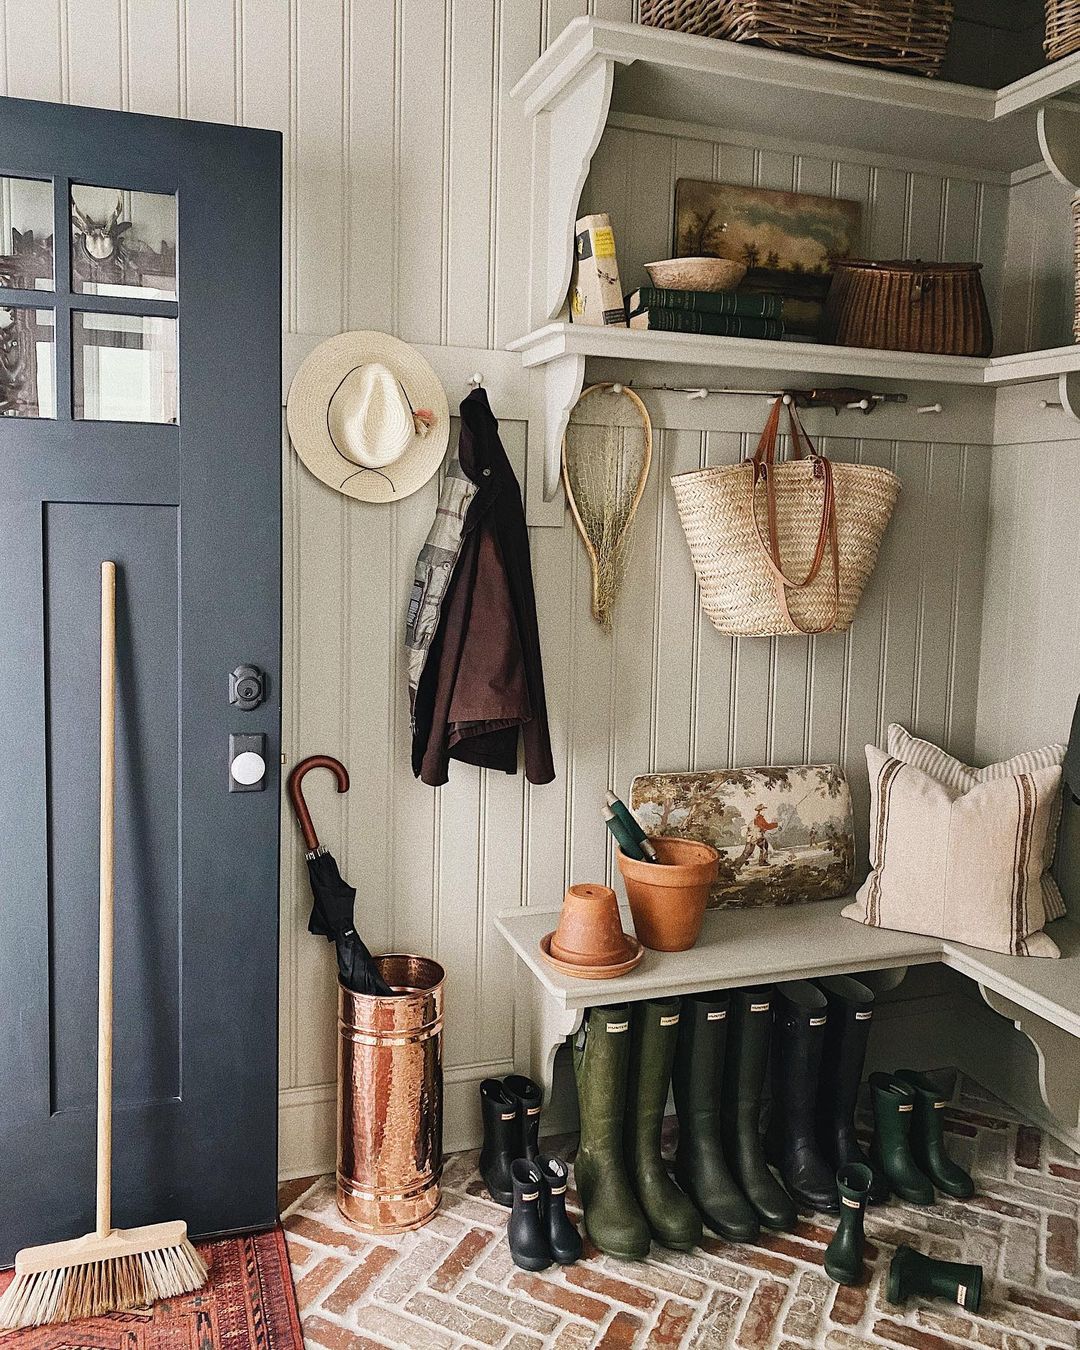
390 1098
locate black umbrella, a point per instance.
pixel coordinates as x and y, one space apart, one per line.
332 896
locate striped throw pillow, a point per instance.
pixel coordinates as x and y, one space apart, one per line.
954 773
956 862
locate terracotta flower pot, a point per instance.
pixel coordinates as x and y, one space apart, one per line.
590 931
668 898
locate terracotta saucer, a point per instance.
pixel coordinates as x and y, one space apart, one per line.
592 972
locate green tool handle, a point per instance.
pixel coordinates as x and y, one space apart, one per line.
630 824
622 835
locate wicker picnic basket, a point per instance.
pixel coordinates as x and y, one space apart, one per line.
909 306
1062 28
784 547
908 35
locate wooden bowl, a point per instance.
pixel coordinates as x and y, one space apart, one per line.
696 274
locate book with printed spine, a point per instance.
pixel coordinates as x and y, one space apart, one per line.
705 302
716 325
596 295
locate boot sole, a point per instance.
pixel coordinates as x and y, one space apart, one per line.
530 1262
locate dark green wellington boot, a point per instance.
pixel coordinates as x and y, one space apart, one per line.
890 1149
928 1137
801 1011
913 1275
847 1032
700 1167
750 1015
613 1218
844 1254
673 1220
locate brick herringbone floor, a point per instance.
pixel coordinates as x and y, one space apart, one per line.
453 1284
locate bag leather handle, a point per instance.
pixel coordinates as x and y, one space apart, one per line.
764 461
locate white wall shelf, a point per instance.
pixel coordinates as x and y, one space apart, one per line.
596 67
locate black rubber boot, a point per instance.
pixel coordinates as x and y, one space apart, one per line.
672 1219
563 1238
912 1274
601 1061
745 1063
844 1254
526 1231
791 1143
890 1149
928 1137
851 1008
499 1111
700 1167
529 1098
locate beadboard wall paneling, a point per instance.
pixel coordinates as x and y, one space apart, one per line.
1030 667
405 209
1037 308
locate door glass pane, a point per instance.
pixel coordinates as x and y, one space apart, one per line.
27 371
26 234
123 243
124 368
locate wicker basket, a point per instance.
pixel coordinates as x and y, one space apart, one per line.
723 515
1062 28
1076 267
908 35
909 307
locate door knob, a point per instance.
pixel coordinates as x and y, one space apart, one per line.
247 763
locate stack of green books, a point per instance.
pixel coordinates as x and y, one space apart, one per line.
720 313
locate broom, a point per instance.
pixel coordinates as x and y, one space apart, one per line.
110 1269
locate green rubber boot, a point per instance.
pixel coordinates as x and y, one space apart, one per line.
672 1218
890 1148
700 1167
913 1275
928 1138
844 1254
740 1107
613 1219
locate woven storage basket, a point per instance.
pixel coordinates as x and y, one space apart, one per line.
738 588
1062 28
906 35
909 307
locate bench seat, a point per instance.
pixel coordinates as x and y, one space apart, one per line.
740 947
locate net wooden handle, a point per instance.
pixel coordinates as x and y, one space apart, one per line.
105 899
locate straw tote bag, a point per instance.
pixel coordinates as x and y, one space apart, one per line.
784 546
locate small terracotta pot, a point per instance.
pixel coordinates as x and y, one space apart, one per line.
590 931
668 898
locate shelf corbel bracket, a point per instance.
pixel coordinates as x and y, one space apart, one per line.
1059 1060
556 387
550 1023
1059 140
1069 393
566 133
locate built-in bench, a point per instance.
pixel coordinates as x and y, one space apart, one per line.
761 946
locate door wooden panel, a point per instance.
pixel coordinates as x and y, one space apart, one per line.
191 512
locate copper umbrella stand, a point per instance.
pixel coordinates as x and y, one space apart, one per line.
389 1053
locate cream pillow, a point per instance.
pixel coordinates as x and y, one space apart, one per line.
965 865
954 773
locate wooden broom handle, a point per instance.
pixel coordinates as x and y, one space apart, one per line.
105 912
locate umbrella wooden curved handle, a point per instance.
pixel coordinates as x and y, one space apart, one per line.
296 792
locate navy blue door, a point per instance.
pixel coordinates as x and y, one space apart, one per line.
140 420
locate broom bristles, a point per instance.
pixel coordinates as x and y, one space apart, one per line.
92 1288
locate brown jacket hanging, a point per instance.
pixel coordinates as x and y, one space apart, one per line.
483 681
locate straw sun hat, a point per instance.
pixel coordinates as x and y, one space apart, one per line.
368 416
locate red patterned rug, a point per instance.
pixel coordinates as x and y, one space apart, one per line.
248 1303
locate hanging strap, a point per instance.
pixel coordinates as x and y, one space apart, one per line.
764 461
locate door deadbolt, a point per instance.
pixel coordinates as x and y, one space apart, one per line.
247 688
